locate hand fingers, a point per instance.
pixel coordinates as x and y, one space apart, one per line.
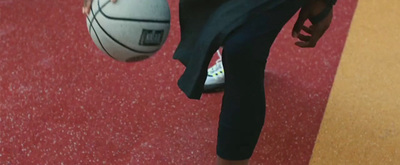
317 31
304 37
86 6
307 29
303 44
311 41
299 23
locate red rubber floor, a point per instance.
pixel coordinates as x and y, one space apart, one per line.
63 102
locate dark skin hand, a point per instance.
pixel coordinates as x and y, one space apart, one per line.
315 31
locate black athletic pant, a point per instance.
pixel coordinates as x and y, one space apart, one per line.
244 59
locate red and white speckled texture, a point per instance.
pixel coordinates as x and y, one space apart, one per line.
63 102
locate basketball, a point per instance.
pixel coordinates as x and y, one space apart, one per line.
129 30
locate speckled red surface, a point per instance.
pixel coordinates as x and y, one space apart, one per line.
63 102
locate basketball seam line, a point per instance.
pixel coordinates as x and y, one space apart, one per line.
94 15
112 38
101 44
130 19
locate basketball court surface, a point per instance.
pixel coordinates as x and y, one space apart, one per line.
62 101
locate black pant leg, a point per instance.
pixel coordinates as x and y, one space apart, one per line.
244 59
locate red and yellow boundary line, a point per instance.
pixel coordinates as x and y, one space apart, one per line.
361 124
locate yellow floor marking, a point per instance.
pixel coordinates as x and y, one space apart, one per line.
361 124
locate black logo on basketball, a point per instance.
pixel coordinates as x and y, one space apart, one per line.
151 37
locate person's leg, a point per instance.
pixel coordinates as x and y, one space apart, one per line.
243 107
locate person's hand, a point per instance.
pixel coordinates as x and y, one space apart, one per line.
317 29
87 4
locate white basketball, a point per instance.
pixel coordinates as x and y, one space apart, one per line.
129 30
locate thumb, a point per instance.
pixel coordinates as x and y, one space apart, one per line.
299 23
86 6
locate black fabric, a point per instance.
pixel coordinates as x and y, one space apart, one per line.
244 58
331 2
204 26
